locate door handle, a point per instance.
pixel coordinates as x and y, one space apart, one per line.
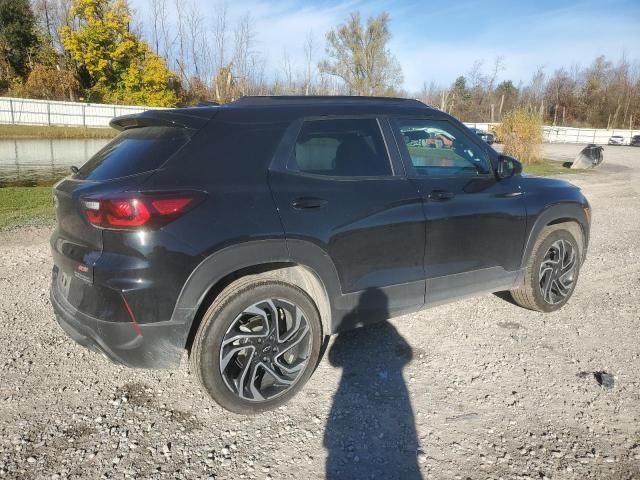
441 195
308 202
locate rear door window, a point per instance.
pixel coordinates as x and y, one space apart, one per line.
134 151
341 148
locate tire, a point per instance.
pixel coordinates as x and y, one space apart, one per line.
532 293
246 311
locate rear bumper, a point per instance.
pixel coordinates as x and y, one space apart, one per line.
156 345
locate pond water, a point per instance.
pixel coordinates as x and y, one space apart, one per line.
28 162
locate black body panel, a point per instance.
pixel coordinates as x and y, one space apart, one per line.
135 294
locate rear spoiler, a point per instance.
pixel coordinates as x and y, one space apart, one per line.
193 118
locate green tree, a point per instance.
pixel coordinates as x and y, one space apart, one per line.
460 98
507 88
506 95
359 55
113 64
17 35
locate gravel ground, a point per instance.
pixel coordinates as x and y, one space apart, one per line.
477 389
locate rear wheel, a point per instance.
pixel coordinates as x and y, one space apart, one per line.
552 272
257 345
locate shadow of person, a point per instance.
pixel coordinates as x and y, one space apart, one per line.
370 432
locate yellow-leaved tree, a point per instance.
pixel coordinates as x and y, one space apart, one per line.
147 81
113 64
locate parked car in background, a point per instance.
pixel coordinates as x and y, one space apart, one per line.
616 140
247 233
485 136
635 141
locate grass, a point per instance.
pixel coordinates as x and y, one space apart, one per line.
22 206
31 131
550 167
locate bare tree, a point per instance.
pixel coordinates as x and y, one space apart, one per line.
431 95
220 28
196 38
359 56
181 41
535 91
308 55
52 15
497 67
156 7
244 57
288 71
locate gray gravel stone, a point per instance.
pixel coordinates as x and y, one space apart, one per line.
458 391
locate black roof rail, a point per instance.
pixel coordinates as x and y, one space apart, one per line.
259 100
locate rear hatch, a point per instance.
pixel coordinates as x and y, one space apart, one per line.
145 144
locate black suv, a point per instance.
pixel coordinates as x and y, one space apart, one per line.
247 233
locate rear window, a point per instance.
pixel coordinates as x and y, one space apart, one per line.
134 151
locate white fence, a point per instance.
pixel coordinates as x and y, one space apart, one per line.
21 111
599 136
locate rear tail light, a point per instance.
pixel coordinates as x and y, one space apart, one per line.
143 210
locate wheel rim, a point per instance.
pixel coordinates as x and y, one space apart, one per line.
558 272
265 350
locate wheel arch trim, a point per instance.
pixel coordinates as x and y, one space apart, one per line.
298 261
556 214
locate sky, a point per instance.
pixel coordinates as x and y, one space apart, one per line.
436 41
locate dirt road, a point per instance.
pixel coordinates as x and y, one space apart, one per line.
477 389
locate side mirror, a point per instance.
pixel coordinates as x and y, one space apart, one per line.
508 167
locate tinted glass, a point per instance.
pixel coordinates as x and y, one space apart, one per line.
134 151
344 147
438 148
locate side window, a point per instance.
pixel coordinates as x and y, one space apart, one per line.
438 148
341 147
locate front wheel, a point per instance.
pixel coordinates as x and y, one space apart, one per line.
552 272
257 345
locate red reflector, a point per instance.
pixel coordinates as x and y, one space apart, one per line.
134 322
170 205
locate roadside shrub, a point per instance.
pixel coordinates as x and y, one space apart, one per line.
50 83
521 133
